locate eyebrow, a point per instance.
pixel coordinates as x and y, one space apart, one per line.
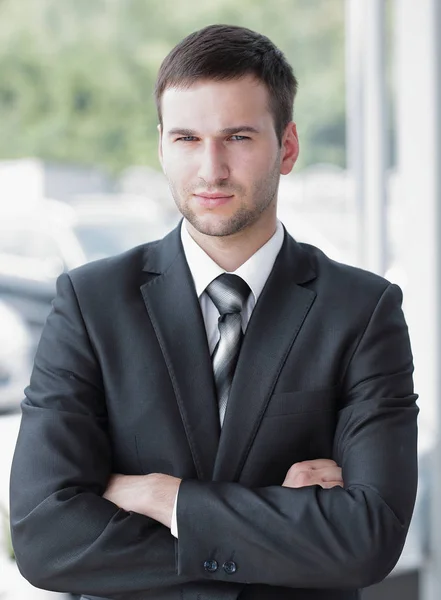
226 131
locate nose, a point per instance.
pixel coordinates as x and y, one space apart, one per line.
213 165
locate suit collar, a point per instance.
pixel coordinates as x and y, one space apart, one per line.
159 256
255 271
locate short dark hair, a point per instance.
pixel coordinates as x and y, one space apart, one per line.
226 52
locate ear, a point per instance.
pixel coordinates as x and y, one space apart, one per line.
159 128
290 149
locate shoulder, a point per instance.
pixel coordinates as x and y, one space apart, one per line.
112 272
328 269
345 284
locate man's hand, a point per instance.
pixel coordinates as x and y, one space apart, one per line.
322 471
150 495
154 495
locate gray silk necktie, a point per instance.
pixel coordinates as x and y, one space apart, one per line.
229 294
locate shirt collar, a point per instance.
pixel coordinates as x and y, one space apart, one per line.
255 271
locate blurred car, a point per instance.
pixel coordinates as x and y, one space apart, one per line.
15 358
37 246
57 237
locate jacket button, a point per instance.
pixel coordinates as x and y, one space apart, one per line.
229 567
210 566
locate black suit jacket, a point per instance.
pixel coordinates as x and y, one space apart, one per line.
123 383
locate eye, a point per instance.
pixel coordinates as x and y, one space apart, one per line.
239 138
186 138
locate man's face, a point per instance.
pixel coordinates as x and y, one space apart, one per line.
220 153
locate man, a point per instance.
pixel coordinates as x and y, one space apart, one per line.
225 413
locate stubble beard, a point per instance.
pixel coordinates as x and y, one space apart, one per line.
263 193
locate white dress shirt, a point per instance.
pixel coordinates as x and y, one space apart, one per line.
255 271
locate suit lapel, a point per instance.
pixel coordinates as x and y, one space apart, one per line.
175 313
272 330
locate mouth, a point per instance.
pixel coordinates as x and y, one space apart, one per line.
212 200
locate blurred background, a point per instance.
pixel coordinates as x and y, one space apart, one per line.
80 178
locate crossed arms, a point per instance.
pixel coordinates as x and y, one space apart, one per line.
68 535
154 495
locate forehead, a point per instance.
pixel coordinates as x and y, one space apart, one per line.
215 105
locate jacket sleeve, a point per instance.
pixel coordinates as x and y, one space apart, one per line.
347 537
66 537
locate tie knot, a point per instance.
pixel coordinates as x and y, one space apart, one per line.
229 293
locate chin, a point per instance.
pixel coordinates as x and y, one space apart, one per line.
213 227
218 226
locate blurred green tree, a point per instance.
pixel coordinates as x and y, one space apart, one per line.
76 78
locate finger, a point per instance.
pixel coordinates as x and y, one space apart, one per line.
330 471
330 484
329 474
303 476
317 463
301 479
301 483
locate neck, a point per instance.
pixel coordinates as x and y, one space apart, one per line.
232 251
